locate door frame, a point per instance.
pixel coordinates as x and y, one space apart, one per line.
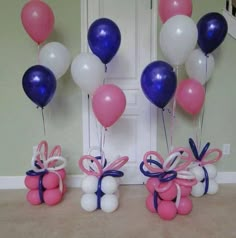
85 48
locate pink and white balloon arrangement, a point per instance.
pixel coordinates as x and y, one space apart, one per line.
46 179
204 169
169 183
100 186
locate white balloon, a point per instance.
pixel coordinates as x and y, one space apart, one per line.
199 66
89 202
178 37
213 187
211 170
198 172
89 184
109 203
109 185
88 72
198 190
56 57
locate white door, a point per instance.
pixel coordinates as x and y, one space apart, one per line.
135 132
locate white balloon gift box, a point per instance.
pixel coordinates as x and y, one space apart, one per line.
46 179
169 183
204 169
100 186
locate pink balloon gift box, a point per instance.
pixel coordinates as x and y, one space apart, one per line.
169 183
46 179
100 185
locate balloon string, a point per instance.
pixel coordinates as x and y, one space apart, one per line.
172 123
164 125
195 125
203 111
89 129
44 128
173 113
38 53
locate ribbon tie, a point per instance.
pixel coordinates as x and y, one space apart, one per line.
171 168
100 172
41 164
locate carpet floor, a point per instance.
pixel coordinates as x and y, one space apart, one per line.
212 217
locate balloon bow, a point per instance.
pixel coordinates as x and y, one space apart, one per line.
171 171
101 171
42 164
201 158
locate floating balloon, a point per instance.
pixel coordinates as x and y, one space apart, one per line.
170 8
56 57
212 29
38 20
104 39
158 82
190 95
39 84
88 72
199 66
108 104
178 38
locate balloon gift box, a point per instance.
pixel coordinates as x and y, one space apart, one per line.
204 170
46 178
169 183
100 186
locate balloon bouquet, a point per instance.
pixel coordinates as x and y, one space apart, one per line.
108 104
190 96
45 180
179 36
39 81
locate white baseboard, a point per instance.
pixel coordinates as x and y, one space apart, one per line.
74 181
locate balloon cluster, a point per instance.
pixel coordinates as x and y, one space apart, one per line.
39 81
88 71
204 170
169 183
46 179
100 186
179 36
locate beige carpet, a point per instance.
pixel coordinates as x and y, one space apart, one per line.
212 217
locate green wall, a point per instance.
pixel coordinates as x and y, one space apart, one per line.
21 123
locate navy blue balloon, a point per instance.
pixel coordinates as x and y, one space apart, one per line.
39 84
159 82
212 29
104 39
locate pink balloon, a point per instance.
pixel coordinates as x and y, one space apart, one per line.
33 197
167 210
52 196
32 182
170 8
169 194
151 184
190 95
150 203
108 104
50 180
38 20
185 206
